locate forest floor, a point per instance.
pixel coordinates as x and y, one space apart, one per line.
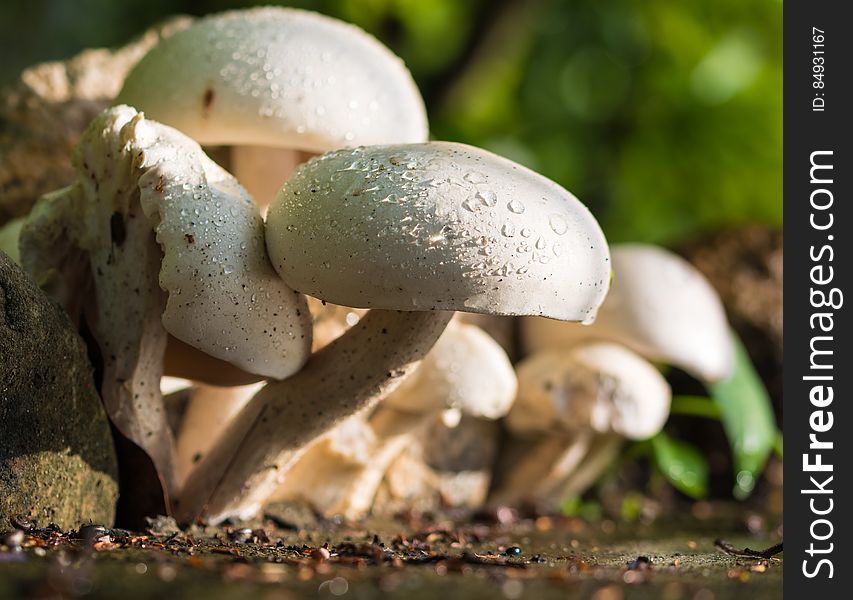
289 555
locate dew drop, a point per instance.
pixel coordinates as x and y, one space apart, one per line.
474 177
558 224
515 206
227 269
472 204
540 243
487 197
508 229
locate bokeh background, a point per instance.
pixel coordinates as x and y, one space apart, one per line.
664 117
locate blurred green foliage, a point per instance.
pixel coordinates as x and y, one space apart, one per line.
664 117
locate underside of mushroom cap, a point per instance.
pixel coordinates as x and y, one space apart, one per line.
224 297
437 226
266 76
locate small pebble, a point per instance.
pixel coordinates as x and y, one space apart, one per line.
513 551
241 536
22 522
641 563
321 554
91 534
13 540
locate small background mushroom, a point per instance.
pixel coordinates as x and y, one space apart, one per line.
659 306
574 410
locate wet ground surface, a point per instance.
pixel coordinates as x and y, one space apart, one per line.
285 557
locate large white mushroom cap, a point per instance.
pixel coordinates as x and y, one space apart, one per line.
602 387
660 306
437 226
466 370
278 77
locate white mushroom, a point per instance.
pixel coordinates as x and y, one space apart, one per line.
274 83
419 230
138 179
449 464
577 405
466 371
340 479
659 306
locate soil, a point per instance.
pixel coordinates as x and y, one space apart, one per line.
291 554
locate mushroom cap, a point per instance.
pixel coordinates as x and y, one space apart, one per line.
224 297
660 306
466 370
278 77
600 386
437 226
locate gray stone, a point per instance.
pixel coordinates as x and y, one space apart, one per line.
57 458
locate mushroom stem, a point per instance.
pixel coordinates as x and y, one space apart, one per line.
334 485
262 169
354 372
543 468
209 410
394 429
601 454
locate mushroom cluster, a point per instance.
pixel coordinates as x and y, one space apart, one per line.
583 391
168 261
304 291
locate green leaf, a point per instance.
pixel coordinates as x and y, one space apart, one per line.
695 406
682 464
778 445
747 417
575 507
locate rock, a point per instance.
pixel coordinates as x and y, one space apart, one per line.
57 459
